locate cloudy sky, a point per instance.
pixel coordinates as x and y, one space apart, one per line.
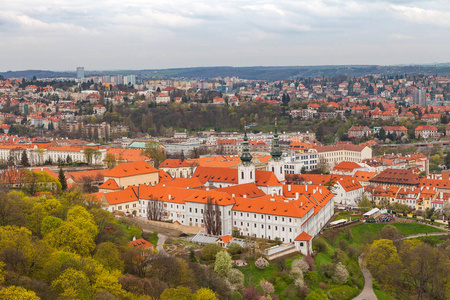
140 34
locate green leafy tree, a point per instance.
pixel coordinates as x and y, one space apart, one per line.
62 179
154 151
24 160
205 294
49 224
223 263
180 293
17 293
108 255
73 284
383 261
365 204
91 155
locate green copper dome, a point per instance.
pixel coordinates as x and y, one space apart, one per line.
276 151
246 157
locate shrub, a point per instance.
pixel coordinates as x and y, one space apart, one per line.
327 270
343 245
261 263
235 248
339 256
320 246
389 232
352 251
236 296
310 260
316 295
209 252
296 273
299 282
291 292
302 264
312 278
235 277
304 290
343 292
340 274
267 287
251 293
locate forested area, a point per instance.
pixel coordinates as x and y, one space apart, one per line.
67 247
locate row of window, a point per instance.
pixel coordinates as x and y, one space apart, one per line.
262 226
262 217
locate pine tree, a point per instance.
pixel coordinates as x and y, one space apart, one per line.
62 179
24 160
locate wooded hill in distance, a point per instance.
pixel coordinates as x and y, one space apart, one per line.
253 73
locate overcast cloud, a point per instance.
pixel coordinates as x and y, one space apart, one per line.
141 34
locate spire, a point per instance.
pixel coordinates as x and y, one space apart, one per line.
246 157
276 151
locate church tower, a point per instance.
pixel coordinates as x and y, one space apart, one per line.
276 163
246 168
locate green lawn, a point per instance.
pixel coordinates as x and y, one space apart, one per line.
381 295
360 231
253 275
132 231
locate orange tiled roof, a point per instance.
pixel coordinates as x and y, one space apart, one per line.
110 184
131 169
248 189
303 237
346 166
287 208
127 195
364 175
141 243
226 238
174 163
182 183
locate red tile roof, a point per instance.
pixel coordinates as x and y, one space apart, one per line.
131 169
127 195
110 184
346 166
248 189
141 243
174 163
303 237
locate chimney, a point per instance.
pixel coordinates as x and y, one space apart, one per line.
306 188
245 196
232 195
170 197
296 195
207 188
272 199
289 187
164 185
320 191
134 238
301 203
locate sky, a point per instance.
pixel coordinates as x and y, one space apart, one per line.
150 34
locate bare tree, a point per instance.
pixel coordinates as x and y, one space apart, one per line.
212 217
155 209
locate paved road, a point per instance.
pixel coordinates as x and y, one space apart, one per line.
367 292
161 239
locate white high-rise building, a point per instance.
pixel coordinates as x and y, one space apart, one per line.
80 73
129 80
420 97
